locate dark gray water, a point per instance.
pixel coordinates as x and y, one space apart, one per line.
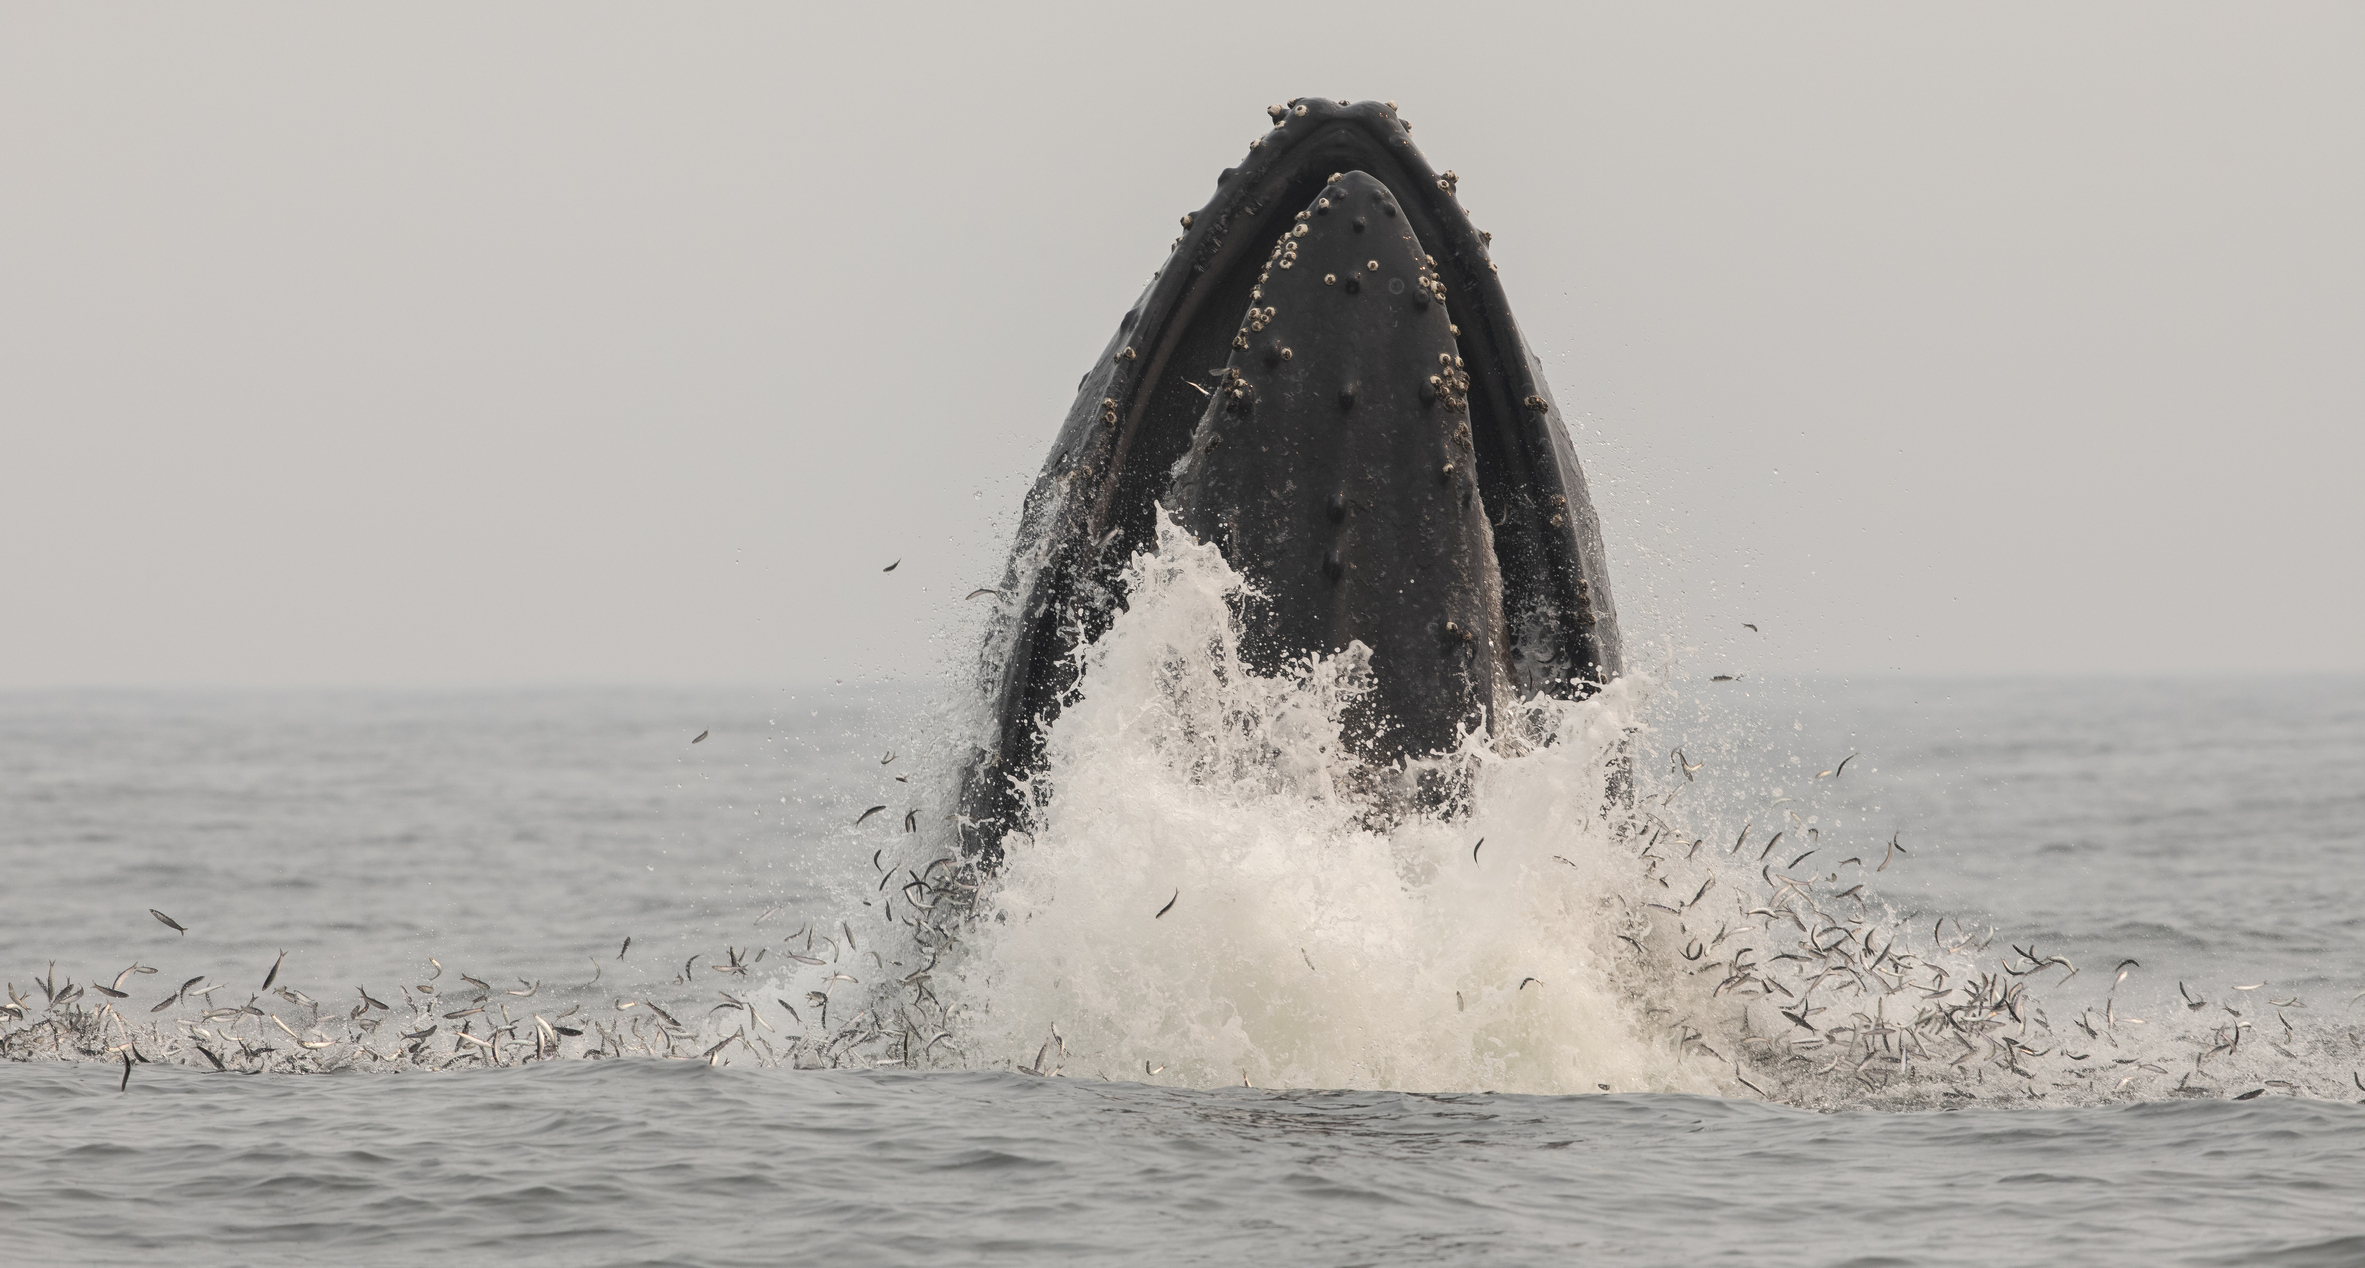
2208 830
675 1163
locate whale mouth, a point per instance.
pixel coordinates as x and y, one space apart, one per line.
1323 452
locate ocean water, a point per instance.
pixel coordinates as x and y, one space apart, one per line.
1219 1008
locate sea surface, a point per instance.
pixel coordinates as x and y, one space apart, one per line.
388 843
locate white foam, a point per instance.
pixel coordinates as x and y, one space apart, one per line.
1306 944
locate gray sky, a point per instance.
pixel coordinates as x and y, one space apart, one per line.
463 344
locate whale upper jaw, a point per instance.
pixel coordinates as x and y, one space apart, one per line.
1334 465
1338 478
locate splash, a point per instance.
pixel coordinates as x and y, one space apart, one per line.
1213 891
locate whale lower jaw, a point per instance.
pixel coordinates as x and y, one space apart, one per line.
1324 380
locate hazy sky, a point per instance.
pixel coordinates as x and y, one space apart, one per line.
471 344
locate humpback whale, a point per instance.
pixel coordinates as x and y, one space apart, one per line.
1324 380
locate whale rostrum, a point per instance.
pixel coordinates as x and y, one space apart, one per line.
1335 469
1326 382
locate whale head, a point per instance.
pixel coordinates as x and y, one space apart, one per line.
1325 381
